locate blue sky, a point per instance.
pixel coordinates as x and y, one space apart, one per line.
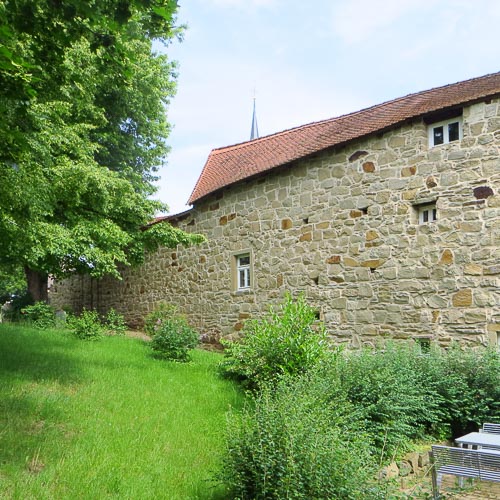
308 61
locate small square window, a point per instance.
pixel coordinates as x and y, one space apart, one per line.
427 213
445 131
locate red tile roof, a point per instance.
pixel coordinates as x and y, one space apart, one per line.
228 165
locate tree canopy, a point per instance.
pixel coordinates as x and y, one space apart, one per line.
83 128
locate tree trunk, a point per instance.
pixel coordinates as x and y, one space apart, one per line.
37 284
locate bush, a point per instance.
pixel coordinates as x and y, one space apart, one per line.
299 441
87 326
115 323
390 389
40 315
467 383
162 312
286 342
173 338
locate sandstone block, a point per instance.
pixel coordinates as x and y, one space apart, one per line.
348 262
473 269
371 235
334 259
286 224
463 298
408 171
372 263
446 257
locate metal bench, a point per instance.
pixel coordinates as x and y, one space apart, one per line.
491 428
464 463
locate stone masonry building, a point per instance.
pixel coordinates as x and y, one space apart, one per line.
387 219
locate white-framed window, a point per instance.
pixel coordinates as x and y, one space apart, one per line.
243 271
445 131
427 213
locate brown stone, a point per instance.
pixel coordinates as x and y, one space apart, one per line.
368 167
231 217
286 224
279 280
371 235
408 171
483 192
431 181
446 257
203 259
435 316
334 259
238 326
323 225
463 298
355 213
223 220
306 237
243 316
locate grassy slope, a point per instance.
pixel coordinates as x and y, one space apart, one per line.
105 420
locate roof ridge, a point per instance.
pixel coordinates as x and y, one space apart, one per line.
231 164
345 115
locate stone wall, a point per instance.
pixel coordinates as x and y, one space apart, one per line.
342 227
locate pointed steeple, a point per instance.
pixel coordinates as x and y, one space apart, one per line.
254 133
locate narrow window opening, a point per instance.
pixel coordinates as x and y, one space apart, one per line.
438 134
306 220
427 213
453 131
243 271
424 344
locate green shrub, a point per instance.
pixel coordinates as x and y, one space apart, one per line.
115 322
298 440
390 390
467 383
173 338
40 315
154 319
11 311
87 326
286 342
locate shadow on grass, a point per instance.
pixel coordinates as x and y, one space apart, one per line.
37 372
37 355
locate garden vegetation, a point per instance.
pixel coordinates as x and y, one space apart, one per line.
106 419
115 418
325 431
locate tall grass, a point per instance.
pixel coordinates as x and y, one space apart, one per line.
104 419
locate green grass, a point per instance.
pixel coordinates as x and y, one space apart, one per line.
95 420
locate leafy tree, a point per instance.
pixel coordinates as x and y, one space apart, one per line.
82 130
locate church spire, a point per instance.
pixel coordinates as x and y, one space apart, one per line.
254 133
